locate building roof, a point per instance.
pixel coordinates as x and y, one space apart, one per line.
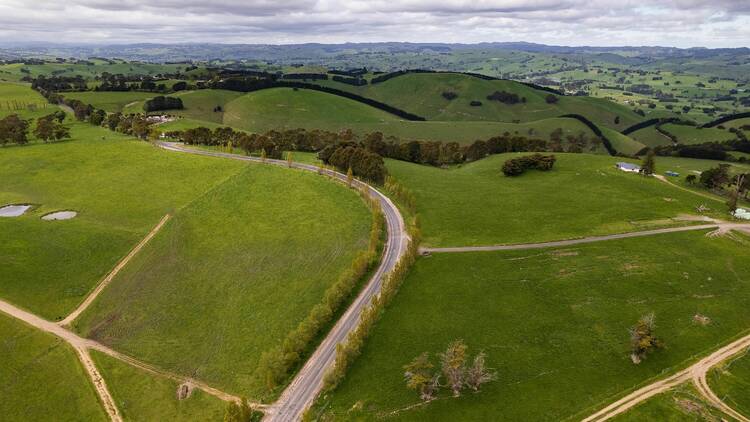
628 166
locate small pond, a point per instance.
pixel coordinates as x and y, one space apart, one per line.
59 215
13 210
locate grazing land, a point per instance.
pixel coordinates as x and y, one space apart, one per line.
731 382
422 94
582 195
34 362
559 334
206 104
683 403
231 274
112 102
120 188
141 396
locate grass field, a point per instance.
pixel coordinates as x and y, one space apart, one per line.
554 324
42 378
731 382
422 94
120 187
583 195
141 396
623 144
681 404
112 102
198 104
231 275
650 137
269 110
693 135
22 100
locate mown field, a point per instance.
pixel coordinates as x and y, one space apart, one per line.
120 188
42 378
142 396
422 94
731 382
553 323
651 137
231 275
582 195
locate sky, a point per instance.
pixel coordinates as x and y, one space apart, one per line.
678 23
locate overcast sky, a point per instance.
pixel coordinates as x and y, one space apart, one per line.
681 23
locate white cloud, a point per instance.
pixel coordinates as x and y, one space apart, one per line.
684 23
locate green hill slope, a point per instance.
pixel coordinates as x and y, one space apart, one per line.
422 94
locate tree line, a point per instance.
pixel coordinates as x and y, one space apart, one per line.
517 166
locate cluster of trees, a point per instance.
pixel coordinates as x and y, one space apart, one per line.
720 179
15 130
59 83
552 99
449 95
707 151
351 72
517 166
420 374
50 128
351 157
642 338
505 97
162 103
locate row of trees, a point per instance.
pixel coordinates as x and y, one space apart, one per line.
454 368
517 166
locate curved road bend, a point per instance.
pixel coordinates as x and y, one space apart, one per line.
301 392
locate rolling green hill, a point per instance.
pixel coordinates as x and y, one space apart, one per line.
202 104
422 94
583 195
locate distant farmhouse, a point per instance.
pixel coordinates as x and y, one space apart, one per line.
631 168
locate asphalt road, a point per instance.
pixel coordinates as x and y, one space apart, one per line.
309 380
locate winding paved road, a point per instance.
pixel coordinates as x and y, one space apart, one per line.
301 392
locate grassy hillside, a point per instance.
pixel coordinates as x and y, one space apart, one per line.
142 396
554 325
22 100
231 275
694 135
421 93
280 108
112 101
198 104
623 144
120 187
651 137
41 376
14 72
583 195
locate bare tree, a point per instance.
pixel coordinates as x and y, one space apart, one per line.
478 373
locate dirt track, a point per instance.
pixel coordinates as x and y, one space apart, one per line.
108 278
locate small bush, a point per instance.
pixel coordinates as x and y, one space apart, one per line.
450 95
